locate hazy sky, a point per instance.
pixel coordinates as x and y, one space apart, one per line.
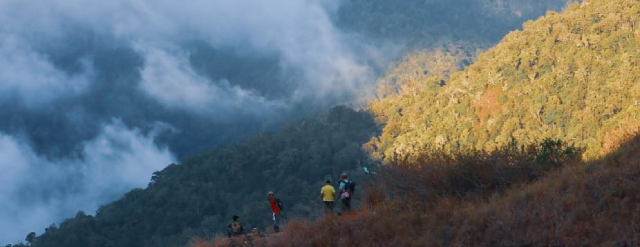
97 95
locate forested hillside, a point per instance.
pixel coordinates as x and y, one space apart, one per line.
442 36
199 196
457 173
570 76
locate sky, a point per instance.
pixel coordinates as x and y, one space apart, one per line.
97 95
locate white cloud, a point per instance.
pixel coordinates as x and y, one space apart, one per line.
169 79
32 79
37 191
301 33
120 159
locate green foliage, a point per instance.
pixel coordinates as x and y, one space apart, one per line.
570 76
434 64
442 36
199 196
554 153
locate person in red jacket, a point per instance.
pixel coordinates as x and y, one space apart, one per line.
276 209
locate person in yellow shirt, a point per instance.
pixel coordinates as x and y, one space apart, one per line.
328 193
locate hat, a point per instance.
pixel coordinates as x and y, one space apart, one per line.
270 193
344 175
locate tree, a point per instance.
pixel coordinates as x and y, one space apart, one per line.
31 238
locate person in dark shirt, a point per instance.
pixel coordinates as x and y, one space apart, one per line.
235 228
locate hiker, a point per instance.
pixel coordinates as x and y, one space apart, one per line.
235 227
328 193
276 209
347 188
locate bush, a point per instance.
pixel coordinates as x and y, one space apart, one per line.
475 173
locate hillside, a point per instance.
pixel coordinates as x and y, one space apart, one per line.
199 196
456 175
440 37
573 204
570 76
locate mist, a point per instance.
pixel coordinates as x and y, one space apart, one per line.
39 191
96 96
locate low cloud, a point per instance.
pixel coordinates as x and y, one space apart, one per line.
300 33
38 191
29 78
169 79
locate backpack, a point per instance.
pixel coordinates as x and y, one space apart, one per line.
350 187
279 203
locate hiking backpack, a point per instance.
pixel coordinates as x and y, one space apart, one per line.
349 186
279 203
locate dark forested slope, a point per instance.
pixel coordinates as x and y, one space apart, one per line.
199 196
570 76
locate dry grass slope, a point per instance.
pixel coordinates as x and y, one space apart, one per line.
592 204
506 198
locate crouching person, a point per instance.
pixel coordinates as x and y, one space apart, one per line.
235 228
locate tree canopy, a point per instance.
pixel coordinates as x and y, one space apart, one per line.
570 76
